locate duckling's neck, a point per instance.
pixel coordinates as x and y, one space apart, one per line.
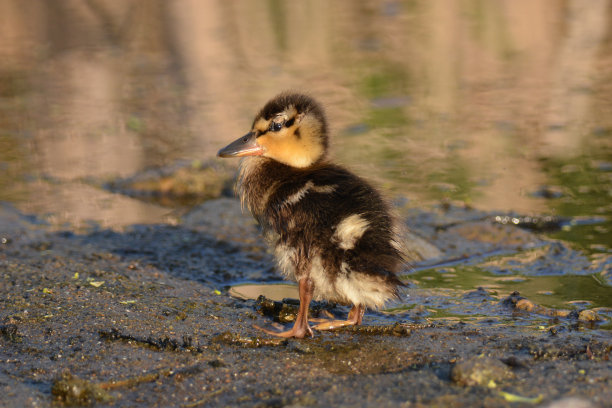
254 184
258 178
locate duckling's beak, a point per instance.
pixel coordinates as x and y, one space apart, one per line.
245 146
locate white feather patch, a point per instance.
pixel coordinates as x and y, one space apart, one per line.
298 195
349 287
362 289
323 287
309 186
349 230
285 256
325 189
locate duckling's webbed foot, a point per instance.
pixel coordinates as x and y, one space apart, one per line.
354 318
298 331
300 328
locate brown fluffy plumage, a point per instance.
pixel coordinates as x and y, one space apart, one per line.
331 231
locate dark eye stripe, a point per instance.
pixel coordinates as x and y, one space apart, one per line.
289 123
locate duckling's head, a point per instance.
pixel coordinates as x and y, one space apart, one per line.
291 129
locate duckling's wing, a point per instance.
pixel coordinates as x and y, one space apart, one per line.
334 226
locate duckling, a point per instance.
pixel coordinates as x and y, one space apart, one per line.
330 230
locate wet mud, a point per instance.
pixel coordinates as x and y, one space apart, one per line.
145 316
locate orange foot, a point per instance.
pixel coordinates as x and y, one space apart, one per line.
354 318
297 331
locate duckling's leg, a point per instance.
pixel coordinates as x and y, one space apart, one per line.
356 314
354 318
300 327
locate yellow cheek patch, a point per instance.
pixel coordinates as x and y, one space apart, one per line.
286 148
264 141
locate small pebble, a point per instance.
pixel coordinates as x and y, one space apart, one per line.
480 370
588 316
570 402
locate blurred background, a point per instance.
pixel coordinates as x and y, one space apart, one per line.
502 105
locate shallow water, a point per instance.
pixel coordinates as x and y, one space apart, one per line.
503 106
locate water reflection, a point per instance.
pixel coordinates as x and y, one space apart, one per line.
467 100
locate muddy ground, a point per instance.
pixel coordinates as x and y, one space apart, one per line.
142 317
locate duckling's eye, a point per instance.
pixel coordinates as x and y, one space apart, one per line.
275 126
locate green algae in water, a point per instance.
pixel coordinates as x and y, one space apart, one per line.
587 185
550 291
